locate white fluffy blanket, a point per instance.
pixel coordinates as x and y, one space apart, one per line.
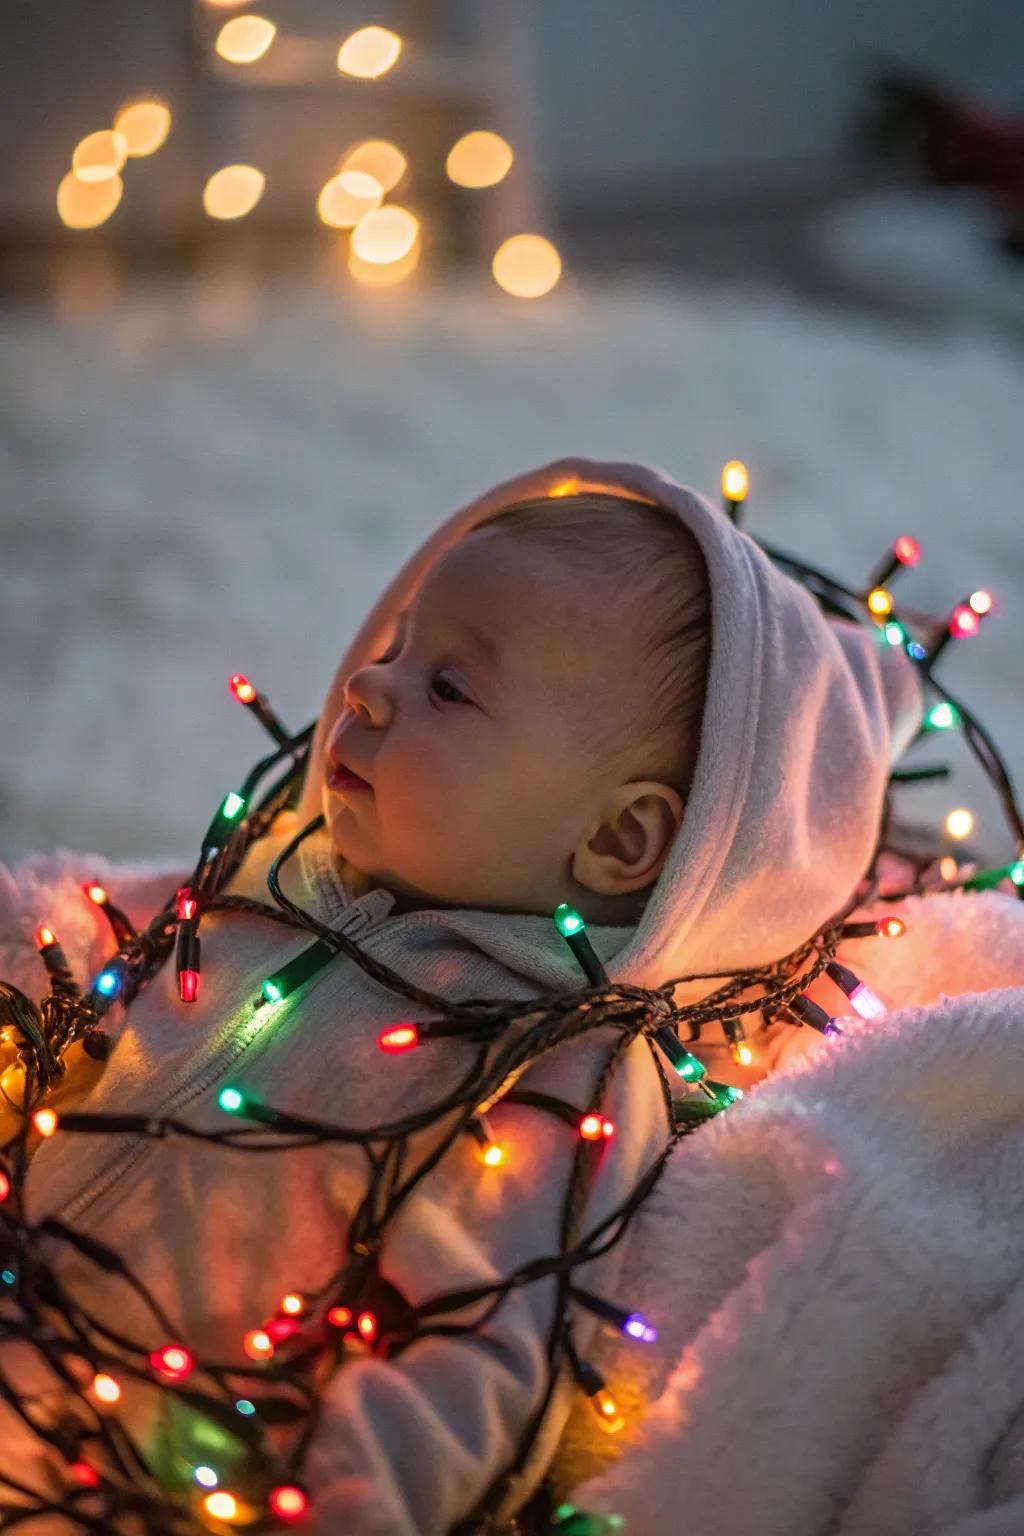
840 1257
842 1270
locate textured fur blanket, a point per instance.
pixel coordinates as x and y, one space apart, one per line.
843 1270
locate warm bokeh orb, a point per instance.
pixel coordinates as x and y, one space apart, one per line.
85 204
385 235
378 158
369 53
960 823
526 266
144 126
479 159
376 274
244 39
233 191
347 198
99 156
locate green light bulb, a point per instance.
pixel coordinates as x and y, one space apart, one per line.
272 993
232 805
567 920
895 633
1017 872
230 1099
942 717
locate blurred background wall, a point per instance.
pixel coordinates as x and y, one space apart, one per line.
220 435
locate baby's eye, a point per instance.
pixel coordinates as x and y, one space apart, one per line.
443 682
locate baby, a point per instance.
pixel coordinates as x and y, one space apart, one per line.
530 733
586 687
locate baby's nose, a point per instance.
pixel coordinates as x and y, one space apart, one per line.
363 691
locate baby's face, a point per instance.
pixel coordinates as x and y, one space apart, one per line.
474 730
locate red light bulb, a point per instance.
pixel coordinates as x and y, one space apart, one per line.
84 1474
288 1502
907 550
964 622
400 1037
281 1328
242 689
173 1361
340 1317
188 985
45 936
185 903
5 1186
367 1325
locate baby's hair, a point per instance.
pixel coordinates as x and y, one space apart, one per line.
657 565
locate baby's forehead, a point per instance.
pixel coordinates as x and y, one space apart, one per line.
517 591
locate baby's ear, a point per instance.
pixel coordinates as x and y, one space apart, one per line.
626 849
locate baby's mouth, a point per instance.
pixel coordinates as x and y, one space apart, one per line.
342 779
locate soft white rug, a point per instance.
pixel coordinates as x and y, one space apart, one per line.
217 476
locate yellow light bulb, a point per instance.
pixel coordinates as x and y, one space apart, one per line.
221 1505
564 488
960 823
105 1389
45 1121
526 266
607 1409
369 53
735 480
492 1155
880 602
742 1054
479 159
244 39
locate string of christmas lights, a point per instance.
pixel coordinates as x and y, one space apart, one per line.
357 1311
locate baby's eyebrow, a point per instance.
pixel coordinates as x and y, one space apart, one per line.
482 641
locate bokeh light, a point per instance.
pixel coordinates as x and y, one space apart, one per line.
369 53
99 156
378 158
960 823
233 191
144 125
221 1505
347 198
479 159
244 39
526 266
376 274
85 204
385 235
